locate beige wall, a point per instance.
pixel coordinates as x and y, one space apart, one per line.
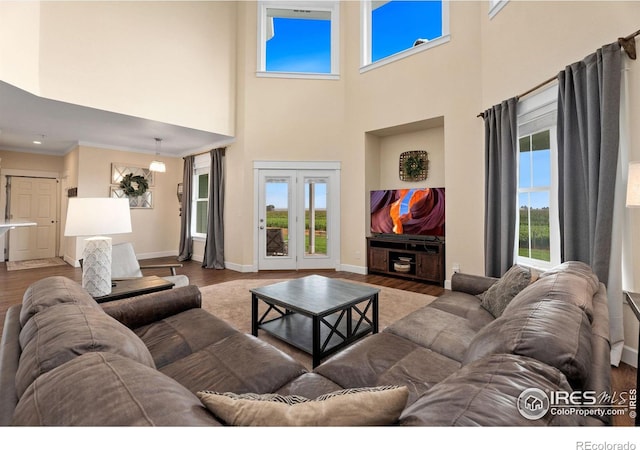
179 62
19 64
168 61
572 30
156 231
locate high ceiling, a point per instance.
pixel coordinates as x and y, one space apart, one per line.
60 126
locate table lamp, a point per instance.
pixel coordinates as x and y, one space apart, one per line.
97 217
633 185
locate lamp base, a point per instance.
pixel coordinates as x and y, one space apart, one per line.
96 272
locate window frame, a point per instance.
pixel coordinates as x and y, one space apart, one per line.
536 114
201 166
495 6
332 7
366 64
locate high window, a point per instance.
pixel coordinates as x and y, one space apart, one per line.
298 39
396 29
200 196
495 6
538 229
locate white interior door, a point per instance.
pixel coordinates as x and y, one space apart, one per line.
33 200
298 219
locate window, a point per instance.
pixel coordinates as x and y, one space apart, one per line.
200 196
538 228
495 6
395 29
298 40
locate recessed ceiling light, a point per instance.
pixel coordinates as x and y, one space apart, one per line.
37 142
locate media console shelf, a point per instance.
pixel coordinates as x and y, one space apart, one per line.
415 259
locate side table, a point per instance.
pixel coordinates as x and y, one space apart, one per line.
130 287
633 300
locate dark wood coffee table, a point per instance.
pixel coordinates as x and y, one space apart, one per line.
316 314
130 287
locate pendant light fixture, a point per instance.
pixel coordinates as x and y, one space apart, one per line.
157 165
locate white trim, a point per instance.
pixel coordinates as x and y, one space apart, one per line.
630 356
332 7
495 6
162 254
243 268
365 39
361 270
297 165
298 75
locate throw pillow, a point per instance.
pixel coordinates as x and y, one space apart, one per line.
497 297
349 407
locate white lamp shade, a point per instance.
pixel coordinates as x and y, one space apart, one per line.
157 166
97 216
633 185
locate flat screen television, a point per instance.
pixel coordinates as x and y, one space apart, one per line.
408 212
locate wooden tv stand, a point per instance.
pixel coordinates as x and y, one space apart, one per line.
424 257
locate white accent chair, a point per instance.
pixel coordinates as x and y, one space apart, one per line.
124 264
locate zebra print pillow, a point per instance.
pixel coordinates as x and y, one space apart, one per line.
373 406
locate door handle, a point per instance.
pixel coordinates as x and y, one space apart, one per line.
262 227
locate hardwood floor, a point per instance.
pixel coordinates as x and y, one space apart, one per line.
14 283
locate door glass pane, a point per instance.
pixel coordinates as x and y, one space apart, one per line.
277 214
315 216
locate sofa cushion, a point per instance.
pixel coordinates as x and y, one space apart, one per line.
63 332
239 363
486 393
53 291
497 297
373 406
182 334
577 268
570 287
386 359
464 305
104 389
552 331
435 329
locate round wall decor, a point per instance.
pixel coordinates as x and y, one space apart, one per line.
134 185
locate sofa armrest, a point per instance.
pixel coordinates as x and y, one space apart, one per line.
137 311
471 284
9 360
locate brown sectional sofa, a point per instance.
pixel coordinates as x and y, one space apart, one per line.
143 359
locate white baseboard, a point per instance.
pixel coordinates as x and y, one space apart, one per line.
157 254
243 268
630 356
362 270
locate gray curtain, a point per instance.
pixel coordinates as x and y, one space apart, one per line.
214 246
500 139
588 151
588 138
185 252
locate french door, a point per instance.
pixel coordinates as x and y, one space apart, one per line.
298 219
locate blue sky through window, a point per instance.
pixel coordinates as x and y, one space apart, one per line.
300 45
396 25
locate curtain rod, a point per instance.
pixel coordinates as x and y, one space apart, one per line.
207 151
628 44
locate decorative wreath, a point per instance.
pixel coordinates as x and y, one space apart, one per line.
413 166
134 185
